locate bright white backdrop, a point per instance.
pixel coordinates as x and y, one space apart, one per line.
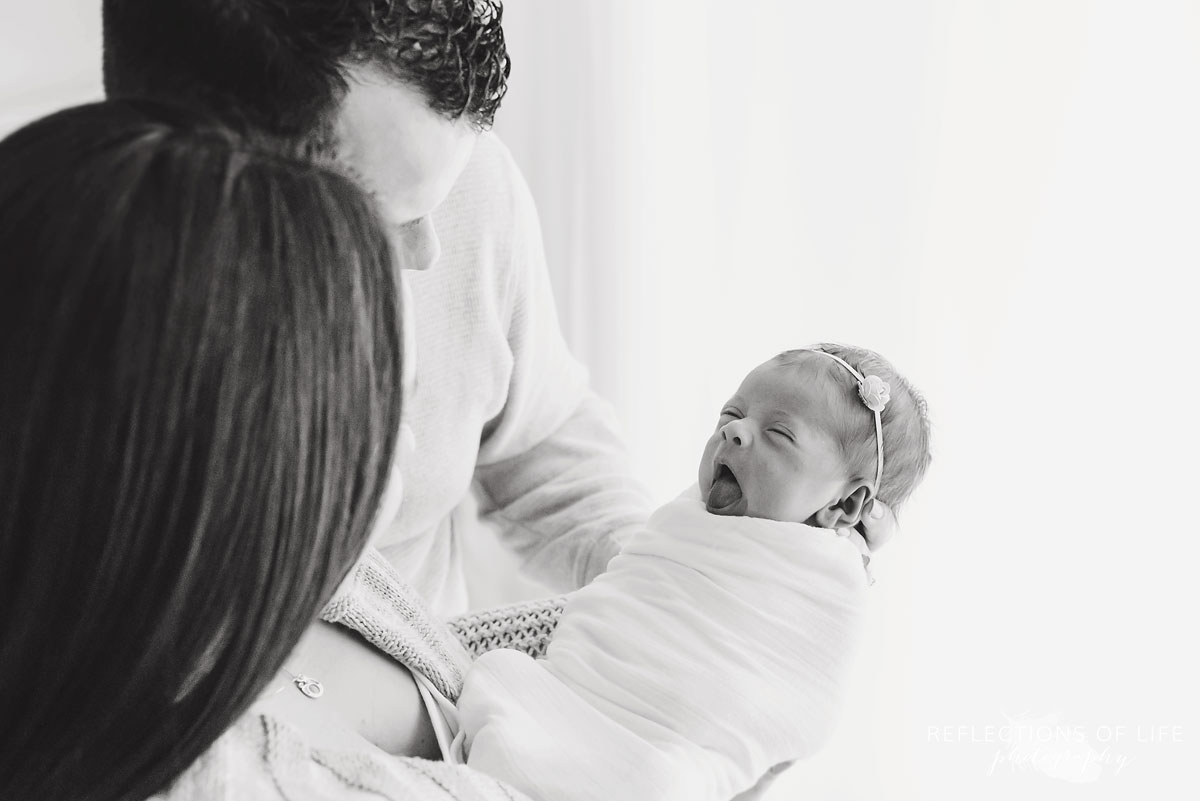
1001 197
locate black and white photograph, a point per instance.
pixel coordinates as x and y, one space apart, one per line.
599 400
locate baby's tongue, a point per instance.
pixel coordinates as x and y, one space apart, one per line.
724 495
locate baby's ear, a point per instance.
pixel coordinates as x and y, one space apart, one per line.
846 512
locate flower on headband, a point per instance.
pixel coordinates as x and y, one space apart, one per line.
875 392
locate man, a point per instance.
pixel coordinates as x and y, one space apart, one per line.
402 93
498 420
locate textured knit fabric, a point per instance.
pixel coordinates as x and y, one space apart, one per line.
262 759
377 603
499 405
525 627
712 649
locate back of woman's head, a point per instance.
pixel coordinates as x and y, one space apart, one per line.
199 394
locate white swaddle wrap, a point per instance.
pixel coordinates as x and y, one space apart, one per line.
710 650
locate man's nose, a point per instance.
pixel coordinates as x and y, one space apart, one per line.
418 245
737 432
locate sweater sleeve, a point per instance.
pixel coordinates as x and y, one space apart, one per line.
552 471
374 601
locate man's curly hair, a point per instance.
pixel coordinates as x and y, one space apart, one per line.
279 65
452 49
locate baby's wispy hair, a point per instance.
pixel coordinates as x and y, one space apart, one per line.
905 420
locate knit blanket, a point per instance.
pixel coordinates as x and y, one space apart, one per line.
712 649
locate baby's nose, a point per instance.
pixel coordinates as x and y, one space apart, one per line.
737 432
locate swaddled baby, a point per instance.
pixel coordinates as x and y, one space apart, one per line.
717 643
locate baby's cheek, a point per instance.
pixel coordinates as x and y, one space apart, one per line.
705 469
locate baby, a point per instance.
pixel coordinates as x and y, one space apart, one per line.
826 463
717 643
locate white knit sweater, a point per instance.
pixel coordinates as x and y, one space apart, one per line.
499 406
265 759
262 759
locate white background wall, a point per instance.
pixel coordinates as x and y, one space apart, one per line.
1001 197
49 57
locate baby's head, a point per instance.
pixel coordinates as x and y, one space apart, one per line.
798 443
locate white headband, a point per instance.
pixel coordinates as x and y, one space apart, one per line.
875 394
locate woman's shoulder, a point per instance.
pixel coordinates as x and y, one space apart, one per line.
263 758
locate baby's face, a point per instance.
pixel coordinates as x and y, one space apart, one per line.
770 456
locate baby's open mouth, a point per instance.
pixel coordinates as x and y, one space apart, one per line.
725 495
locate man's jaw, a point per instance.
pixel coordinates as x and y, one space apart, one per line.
724 495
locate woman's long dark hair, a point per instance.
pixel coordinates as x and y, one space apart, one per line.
199 394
